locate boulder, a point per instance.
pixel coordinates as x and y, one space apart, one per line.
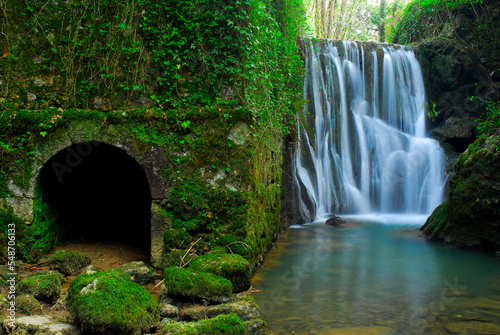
458 132
169 311
230 266
38 324
223 324
186 284
335 221
92 269
68 262
140 272
42 286
27 304
110 303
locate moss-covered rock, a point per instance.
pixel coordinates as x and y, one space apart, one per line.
110 303
223 324
27 304
436 222
140 272
245 309
178 258
68 262
176 239
230 266
186 284
471 215
43 286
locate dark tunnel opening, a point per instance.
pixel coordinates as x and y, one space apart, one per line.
98 193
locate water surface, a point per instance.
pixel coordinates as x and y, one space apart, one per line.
376 278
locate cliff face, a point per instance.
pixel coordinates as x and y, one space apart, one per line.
458 46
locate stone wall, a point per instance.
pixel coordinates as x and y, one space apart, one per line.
205 178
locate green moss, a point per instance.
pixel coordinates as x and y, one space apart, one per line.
43 234
109 303
229 324
230 266
178 258
68 262
27 304
43 286
437 221
176 239
186 284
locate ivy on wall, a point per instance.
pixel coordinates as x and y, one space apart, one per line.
83 54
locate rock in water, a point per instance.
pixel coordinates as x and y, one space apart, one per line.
335 221
140 272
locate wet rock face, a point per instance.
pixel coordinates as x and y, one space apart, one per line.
458 132
456 82
471 215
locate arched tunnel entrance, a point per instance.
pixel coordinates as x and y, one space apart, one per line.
98 193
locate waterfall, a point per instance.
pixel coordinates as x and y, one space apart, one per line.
362 137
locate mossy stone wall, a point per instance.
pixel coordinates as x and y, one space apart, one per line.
215 187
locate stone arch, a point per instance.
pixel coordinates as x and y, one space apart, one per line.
97 191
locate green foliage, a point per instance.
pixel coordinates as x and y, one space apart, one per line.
108 302
180 54
486 130
187 284
491 120
230 266
43 286
424 18
68 262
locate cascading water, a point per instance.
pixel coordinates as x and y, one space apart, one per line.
363 144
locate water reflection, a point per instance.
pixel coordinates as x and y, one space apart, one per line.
384 277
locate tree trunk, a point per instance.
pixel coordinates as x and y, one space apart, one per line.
381 25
